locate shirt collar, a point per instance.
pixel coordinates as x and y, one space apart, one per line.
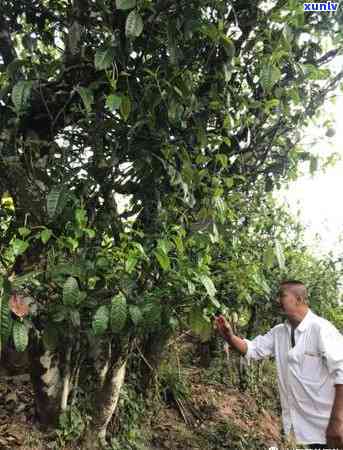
303 325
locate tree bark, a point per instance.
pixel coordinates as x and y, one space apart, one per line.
66 381
207 351
105 405
205 354
47 384
152 354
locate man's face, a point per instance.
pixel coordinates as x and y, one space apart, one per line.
288 302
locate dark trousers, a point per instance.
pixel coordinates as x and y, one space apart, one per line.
318 446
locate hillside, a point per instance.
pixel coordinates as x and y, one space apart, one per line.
193 408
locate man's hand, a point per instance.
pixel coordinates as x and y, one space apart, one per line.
227 333
223 327
334 433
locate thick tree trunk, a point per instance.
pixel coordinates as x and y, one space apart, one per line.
47 384
105 404
152 353
206 351
205 354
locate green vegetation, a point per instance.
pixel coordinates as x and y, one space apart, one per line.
190 113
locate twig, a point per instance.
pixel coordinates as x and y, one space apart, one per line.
144 359
186 333
46 105
182 410
64 107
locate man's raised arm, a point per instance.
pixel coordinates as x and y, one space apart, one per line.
260 347
227 333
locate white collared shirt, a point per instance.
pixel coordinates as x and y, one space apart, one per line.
307 373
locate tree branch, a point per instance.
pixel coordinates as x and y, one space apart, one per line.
327 57
7 50
78 20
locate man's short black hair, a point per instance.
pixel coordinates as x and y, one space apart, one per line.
293 282
297 287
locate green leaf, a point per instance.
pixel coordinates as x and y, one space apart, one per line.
75 317
162 259
101 320
209 286
13 68
201 137
73 270
103 59
60 313
140 248
125 4
179 244
20 94
87 97
125 107
113 102
71 243
6 321
45 235
229 182
135 314
118 313
5 286
134 24
229 47
90 232
223 159
199 325
71 292
131 262
151 316
269 257
19 247
24 232
215 302
20 336
50 338
82 296
81 217
269 76
175 110
25 278
164 246
191 287
53 200
314 73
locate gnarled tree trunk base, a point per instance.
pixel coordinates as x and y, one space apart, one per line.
47 384
105 405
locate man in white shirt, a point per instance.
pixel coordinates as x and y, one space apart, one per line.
308 352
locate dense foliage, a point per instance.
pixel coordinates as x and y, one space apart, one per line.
189 111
